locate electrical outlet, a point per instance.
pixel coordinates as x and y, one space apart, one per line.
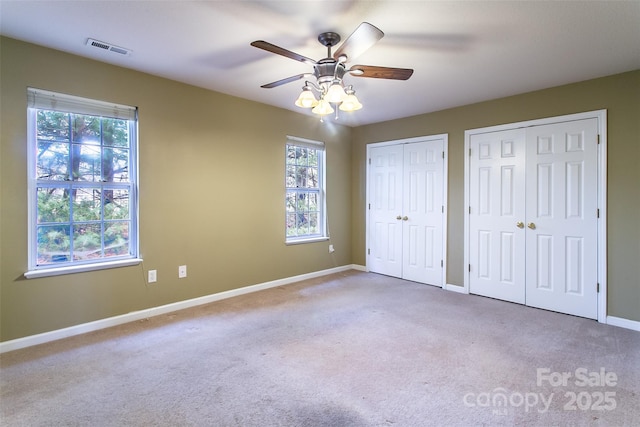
152 276
331 250
182 272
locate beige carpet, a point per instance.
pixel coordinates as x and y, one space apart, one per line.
351 349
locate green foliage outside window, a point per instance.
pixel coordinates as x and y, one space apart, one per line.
302 202
82 207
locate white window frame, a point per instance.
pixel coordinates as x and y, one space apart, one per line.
323 233
40 100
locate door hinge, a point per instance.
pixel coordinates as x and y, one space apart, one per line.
442 208
441 263
368 251
443 154
469 209
469 268
598 213
598 139
369 160
469 152
598 288
369 206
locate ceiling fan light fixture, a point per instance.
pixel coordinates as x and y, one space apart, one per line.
306 99
351 103
323 108
336 93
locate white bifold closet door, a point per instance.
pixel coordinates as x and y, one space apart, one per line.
497 214
406 185
562 217
533 216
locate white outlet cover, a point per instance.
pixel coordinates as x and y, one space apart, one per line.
182 271
152 276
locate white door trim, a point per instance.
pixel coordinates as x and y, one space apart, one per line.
445 179
601 115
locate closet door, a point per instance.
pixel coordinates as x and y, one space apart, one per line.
406 213
422 212
562 217
497 215
533 219
385 210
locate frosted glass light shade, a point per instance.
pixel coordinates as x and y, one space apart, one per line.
335 93
306 99
350 103
323 108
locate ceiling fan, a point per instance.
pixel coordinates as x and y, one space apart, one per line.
330 71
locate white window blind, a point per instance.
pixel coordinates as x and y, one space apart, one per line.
46 100
308 143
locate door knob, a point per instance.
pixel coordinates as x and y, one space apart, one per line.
531 226
404 218
520 224
398 217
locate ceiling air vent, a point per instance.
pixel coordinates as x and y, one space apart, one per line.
107 46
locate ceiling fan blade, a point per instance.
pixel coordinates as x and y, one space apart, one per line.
285 81
269 47
365 36
380 72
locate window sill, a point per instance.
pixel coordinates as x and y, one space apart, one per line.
309 240
45 272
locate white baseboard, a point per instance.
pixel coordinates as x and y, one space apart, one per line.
180 305
156 311
623 323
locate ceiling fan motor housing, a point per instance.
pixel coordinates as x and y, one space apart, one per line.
328 69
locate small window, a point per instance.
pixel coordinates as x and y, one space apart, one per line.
305 191
82 181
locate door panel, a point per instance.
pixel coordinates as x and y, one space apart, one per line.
562 175
423 199
506 257
497 202
385 179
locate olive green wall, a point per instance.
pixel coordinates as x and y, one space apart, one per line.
202 152
211 193
618 94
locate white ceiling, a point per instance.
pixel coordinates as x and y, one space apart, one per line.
462 51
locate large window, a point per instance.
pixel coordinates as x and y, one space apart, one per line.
82 183
305 201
